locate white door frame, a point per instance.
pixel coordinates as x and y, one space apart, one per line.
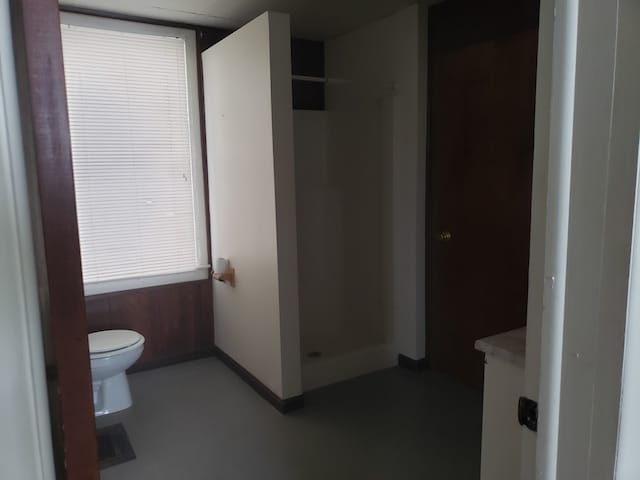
577 307
538 224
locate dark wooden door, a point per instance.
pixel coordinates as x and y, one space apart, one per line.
43 102
482 71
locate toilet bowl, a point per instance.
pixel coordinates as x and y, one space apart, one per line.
111 353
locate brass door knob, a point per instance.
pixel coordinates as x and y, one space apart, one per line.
445 236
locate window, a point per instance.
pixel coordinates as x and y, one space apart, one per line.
135 136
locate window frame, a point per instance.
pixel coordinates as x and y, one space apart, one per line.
201 272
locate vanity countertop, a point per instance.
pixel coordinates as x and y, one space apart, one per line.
509 346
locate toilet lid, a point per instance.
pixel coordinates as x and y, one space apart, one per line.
109 340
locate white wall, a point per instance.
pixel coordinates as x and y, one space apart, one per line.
342 321
603 367
628 461
593 154
376 101
626 121
25 437
321 256
247 85
538 226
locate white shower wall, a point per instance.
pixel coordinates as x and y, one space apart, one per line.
343 257
360 203
339 197
320 236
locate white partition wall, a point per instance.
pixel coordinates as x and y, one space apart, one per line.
249 123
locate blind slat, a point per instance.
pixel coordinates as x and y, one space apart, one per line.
132 153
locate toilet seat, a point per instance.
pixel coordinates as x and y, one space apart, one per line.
108 342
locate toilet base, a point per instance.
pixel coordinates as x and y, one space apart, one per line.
111 394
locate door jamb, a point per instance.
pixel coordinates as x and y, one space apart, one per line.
47 145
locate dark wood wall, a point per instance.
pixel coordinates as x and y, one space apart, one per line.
307 60
176 320
47 147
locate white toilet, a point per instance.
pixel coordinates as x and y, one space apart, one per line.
112 352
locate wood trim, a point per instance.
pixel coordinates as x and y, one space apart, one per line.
412 364
43 101
285 405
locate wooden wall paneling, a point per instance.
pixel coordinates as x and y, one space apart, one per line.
176 320
307 59
131 310
175 310
36 30
98 310
308 95
206 37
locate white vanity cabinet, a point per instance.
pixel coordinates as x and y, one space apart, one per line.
503 385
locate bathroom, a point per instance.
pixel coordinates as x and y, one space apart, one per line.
284 269
343 149
372 239
349 121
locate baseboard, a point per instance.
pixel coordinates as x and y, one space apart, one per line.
283 405
165 362
412 364
319 372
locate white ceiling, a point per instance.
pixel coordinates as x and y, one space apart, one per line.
315 19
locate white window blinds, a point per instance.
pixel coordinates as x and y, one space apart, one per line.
135 143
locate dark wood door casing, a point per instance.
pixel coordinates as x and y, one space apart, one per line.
482 72
47 141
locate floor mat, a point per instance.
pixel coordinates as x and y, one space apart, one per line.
113 446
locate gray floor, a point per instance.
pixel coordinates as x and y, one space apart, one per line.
198 421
